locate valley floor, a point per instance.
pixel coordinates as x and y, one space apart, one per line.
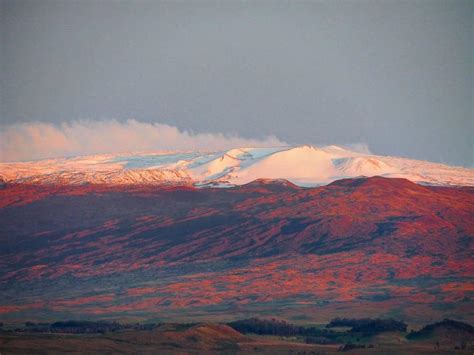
205 338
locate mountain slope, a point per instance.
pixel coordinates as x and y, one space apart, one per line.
302 165
364 247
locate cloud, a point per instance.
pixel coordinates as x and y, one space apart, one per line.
39 140
359 147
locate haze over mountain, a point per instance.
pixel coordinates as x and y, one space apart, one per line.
396 75
302 165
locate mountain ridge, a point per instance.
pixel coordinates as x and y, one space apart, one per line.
305 166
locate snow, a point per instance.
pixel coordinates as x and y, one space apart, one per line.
301 165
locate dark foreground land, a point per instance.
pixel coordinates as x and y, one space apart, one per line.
364 336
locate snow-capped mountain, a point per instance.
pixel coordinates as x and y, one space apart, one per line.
302 165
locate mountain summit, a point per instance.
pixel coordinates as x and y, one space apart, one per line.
301 165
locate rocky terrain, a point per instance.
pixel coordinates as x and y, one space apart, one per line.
364 247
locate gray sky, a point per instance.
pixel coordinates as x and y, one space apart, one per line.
397 75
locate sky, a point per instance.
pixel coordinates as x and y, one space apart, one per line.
396 76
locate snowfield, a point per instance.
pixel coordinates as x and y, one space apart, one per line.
302 165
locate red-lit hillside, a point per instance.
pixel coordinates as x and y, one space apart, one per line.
358 247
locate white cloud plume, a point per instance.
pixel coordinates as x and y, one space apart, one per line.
39 140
